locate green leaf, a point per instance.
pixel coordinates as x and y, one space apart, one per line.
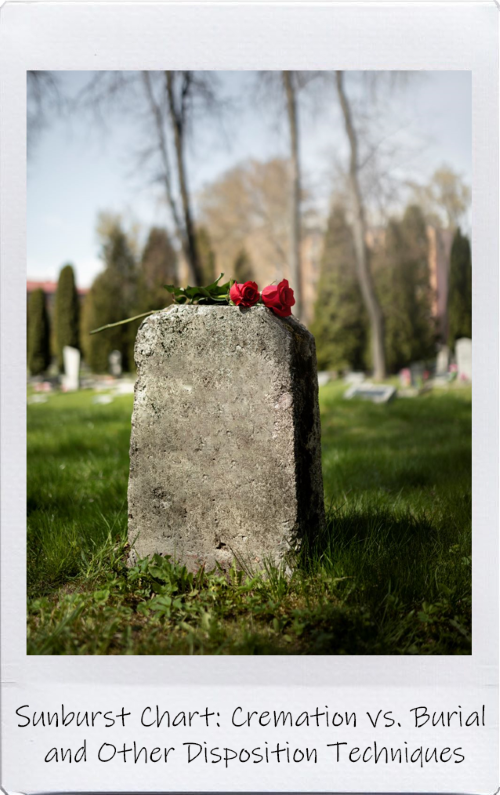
128 320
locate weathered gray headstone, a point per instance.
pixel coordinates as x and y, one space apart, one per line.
71 377
115 363
225 456
463 354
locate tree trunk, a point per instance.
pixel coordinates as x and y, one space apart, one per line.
363 272
295 269
177 118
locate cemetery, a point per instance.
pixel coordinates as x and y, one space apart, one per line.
215 552
279 463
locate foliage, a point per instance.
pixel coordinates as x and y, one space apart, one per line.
113 295
67 313
403 283
460 290
214 293
248 206
38 333
206 255
391 574
243 269
340 323
158 266
445 198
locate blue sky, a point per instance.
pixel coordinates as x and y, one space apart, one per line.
76 170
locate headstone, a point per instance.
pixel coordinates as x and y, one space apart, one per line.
225 460
443 361
417 370
124 388
405 377
354 378
463 354
377 393
71 377
115 363
102 399
323 378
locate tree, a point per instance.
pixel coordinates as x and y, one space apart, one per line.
158 267
67 313
359 228
43 101
38 333
403 285
290 86
445 198
243 269
206 256
113 296
248 207
340 323
169 104
460 290
278 86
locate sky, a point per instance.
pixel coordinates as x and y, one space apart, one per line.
77 169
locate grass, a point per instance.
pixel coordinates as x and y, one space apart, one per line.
391 574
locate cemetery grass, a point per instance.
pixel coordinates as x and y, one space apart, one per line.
391 574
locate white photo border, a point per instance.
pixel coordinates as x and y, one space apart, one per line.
250 36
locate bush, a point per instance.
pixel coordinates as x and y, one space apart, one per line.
67 314
38 333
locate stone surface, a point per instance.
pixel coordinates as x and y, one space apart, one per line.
463 354
71 377
225 456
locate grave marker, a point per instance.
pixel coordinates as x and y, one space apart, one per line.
463 354
225 458
71 377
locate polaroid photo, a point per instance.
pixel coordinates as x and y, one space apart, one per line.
249 413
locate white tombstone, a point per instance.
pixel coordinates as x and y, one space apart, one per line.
443 360
71 377
463 354
377 393
115 363
354 378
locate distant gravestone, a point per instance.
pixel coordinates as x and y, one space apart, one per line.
417 370
323 378
115 363
377 393
71 377
354 377
443 360
225 459
463 355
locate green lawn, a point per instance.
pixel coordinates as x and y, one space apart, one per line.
390 575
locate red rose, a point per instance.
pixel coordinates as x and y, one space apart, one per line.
279 298
244 294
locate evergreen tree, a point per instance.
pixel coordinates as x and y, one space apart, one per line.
67 313
243 269
340 323
460 290
113 297
158 267
206 255
38 333
403 286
